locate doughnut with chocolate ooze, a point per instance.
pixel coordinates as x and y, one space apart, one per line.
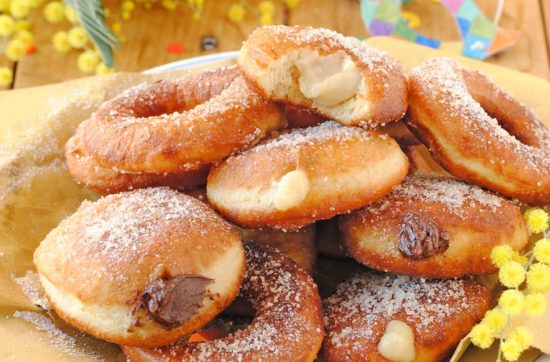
338 77
288 325
478 132
384 317
169 125
141 268
111 180
304 175
433 227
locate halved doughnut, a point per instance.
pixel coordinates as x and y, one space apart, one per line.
168 125
141 268
433 227
451 110
304 175
338 77
384 317
288 325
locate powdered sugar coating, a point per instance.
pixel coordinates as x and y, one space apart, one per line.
287 325
325 40
451 193
446 81
297 138
356 315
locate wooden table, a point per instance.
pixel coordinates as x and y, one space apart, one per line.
148 33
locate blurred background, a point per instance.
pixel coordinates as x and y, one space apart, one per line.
45 42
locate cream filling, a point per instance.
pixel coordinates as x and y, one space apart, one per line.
291 190
328 80
397 343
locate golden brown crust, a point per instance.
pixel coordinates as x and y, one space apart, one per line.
451 111
97 263
160 127
385 95
288 325
343 165
440 313
110 180
465 223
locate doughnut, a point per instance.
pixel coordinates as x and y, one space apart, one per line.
383 317
298 245
297 117
478 132
304 175
433 227
111 180
340 78
401 133
141 268
329 239
288 325
165 126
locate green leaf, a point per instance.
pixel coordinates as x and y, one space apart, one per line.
92 19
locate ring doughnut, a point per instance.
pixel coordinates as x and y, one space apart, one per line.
167 125
288 324
111 180
451 111
304 175
433 227
381 317
141 268
338 77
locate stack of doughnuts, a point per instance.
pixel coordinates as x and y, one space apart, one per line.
221 187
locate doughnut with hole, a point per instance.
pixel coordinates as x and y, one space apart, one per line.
171 125
478 132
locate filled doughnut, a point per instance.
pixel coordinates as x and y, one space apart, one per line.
433 227
167 126
141 268
374 317
304 175
299 245
478 132
288 325
338 77
112 180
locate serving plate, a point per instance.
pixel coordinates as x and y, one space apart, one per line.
36 191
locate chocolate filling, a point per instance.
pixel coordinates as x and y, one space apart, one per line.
420 237
175 300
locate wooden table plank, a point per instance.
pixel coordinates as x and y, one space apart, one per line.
149 32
